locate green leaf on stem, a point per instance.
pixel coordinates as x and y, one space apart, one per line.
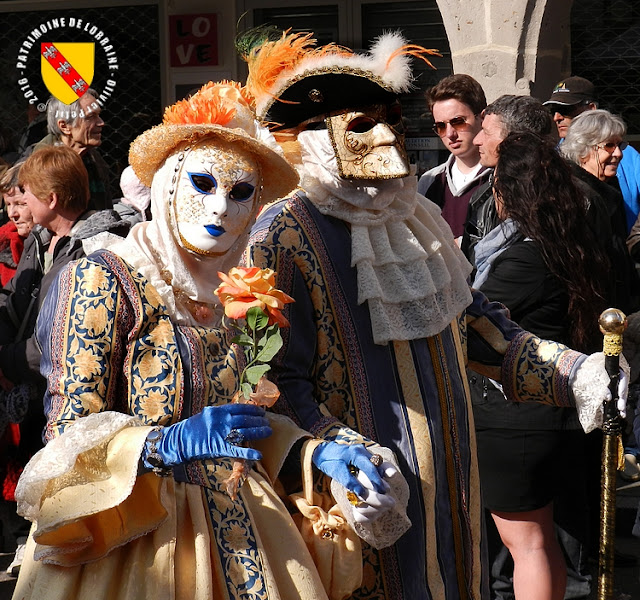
242 340
275 328
246 388
256 319
253 374
269 345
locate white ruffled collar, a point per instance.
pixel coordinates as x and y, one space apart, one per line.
410 271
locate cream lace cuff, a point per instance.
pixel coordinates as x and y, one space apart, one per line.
590 387
59 457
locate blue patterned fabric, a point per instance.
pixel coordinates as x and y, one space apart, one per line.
108 344
411 397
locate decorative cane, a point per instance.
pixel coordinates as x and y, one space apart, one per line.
612 324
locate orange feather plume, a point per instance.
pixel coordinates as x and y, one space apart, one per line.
212 104
415 51
268 61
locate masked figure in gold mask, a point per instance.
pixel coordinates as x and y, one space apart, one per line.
384 321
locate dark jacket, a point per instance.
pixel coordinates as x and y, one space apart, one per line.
606 216
481 218
19 354
538 302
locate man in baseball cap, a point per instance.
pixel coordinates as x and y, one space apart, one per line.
570 97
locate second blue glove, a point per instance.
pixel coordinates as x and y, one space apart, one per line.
333 459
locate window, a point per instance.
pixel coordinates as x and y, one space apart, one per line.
322 20
608 54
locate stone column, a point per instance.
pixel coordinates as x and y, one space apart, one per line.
509 46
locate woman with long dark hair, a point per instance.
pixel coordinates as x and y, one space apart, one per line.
544 263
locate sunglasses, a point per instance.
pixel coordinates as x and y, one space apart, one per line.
610 147
570 111
458 123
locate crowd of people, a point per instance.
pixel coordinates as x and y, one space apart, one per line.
549 241
439 367
56 197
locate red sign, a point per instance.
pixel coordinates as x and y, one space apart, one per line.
193 40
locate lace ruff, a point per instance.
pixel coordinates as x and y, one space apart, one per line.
409 269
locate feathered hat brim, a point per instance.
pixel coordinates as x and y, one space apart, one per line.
149 151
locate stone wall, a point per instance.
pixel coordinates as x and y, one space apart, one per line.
510 46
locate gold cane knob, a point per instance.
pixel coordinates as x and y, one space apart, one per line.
612 323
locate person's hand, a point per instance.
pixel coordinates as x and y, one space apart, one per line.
335 460
216 432
373 505
623 392
622 395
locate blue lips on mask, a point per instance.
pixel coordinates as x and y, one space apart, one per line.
214 230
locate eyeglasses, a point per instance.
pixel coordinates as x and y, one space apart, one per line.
610 147
458 123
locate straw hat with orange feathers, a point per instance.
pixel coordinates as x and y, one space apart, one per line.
220 110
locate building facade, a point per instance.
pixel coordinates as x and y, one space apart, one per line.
166 48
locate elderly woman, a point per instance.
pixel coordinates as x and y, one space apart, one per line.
595 142
594 145
17 229
128 497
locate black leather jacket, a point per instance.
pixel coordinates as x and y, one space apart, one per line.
481 219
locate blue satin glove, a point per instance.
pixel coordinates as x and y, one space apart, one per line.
204 435
333 459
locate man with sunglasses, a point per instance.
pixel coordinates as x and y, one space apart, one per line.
575 95
455 103
570 97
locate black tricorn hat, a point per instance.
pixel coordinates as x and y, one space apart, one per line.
322 93
293 81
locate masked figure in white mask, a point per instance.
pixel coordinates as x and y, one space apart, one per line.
128 496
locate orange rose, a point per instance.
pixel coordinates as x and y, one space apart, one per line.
243 288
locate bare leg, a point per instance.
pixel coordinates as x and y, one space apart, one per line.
539 571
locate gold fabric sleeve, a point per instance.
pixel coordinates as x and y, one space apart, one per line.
100 504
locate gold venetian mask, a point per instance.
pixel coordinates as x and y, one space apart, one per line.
369 143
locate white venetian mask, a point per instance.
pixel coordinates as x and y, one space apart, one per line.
216 196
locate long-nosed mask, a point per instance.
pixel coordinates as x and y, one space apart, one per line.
369 143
